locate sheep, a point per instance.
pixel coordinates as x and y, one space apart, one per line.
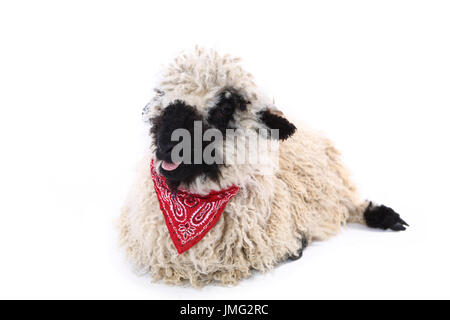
303 192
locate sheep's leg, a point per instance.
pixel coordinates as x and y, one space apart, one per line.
299 253
383 217
377 216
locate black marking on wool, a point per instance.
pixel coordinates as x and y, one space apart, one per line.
222 114
299 253
273 121
383 217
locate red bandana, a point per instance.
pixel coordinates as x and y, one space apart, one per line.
188 216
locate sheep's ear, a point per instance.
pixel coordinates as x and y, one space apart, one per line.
274 119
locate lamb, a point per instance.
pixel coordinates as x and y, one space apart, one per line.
301 193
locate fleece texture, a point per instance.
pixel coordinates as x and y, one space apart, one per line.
301 194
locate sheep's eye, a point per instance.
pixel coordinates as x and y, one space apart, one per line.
226 110
221 116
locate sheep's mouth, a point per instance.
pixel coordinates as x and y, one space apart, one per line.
169 166
182 173
174 173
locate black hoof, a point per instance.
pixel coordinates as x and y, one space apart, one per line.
299 253
383 217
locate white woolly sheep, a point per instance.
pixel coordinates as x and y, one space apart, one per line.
303 193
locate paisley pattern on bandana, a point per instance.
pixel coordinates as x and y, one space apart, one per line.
188 216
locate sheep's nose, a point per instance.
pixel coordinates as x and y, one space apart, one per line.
166 148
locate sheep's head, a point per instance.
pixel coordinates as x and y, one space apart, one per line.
204 118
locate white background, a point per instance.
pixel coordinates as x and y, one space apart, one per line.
75 75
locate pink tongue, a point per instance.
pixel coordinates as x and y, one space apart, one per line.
169 166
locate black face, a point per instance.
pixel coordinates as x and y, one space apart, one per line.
176 116
180 115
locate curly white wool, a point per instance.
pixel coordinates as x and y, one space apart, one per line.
307 197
